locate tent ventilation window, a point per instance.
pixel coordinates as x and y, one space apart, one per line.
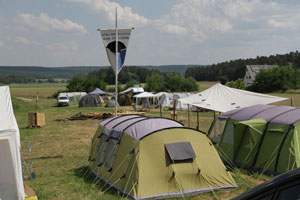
217 130
110 153
181 151
101 150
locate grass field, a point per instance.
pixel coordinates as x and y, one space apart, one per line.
60 149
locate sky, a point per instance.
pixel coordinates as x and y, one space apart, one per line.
55 33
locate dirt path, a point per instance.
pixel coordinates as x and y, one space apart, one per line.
24 99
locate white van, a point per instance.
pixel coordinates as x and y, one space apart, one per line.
62 101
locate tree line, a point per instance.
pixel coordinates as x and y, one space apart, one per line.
235 69
16 79
156 81
276 79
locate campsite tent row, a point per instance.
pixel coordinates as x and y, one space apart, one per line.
72 96
147 157
260 137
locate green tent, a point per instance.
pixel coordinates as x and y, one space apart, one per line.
147 157
262 138
90 100
124 100
111 103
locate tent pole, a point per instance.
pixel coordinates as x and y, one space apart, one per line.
116 70
189 124
197 118
160 111
174 108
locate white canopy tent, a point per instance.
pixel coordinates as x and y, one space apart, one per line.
11 181
135 89
144 95
160 94
222 98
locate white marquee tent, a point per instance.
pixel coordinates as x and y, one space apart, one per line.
135 89
11 182
222 98
180 105
144 95
165 100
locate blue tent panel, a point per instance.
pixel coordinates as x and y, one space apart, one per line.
98 92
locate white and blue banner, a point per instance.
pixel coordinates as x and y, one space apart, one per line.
109 41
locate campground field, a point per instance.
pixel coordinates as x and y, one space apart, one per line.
60 148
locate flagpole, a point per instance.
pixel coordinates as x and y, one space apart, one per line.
116 70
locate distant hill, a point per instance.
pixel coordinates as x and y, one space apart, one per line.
46 72
37 72
170 68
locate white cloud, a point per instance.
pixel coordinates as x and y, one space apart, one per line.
125 15
45 23
189 31
2 44
234 9
284 20
277 23
22 40
203 20
62 46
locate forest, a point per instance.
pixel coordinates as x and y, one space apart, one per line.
235 69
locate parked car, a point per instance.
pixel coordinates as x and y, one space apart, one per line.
283 187
62 101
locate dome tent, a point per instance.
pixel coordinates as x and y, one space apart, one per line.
111 103
90 100
261 137
124 100
147 157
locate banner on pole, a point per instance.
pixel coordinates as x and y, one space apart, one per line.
109 41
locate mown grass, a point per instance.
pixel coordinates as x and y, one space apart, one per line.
60 149
31 89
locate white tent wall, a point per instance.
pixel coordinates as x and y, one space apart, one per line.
11 181
180 105
165 100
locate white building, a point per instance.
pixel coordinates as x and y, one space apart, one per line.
252 70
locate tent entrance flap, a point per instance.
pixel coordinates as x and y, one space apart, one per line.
246 138
180 151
